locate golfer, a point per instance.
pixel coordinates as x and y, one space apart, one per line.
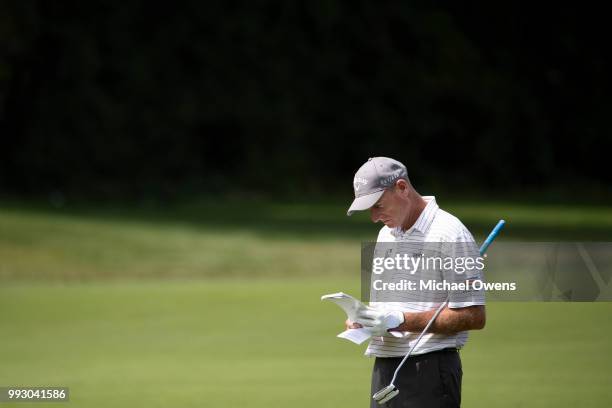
431 377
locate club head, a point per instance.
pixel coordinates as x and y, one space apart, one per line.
385 394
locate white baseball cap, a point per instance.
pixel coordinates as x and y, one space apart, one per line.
372 179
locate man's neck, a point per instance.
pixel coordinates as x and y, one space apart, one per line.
415 212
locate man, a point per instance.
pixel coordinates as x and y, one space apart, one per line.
431 377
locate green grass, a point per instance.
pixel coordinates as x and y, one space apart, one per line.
271 342
211 305
39 246
225 240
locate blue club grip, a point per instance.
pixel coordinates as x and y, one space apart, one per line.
491 237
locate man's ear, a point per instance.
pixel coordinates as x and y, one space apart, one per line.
402 186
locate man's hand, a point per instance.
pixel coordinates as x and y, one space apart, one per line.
352 325
379 322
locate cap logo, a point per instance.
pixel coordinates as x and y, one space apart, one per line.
358 182
389 180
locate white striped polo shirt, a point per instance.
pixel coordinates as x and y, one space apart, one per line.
433 225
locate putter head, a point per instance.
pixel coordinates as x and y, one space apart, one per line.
385 394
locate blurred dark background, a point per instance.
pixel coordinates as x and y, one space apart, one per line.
135 100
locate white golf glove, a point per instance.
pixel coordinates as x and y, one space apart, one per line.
378 322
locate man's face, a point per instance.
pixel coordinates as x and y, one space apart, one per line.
391 209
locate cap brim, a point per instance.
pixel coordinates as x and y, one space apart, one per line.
364 202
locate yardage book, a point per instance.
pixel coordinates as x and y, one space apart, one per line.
351 306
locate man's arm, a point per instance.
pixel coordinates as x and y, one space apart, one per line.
449 321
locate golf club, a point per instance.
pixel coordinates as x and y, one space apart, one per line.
391 390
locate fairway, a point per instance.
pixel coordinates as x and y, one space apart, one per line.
271 342
157 314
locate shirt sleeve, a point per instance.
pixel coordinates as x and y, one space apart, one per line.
467 267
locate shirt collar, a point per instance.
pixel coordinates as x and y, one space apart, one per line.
424 221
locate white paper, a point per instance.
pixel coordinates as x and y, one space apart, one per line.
348 303
351 307
357 336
